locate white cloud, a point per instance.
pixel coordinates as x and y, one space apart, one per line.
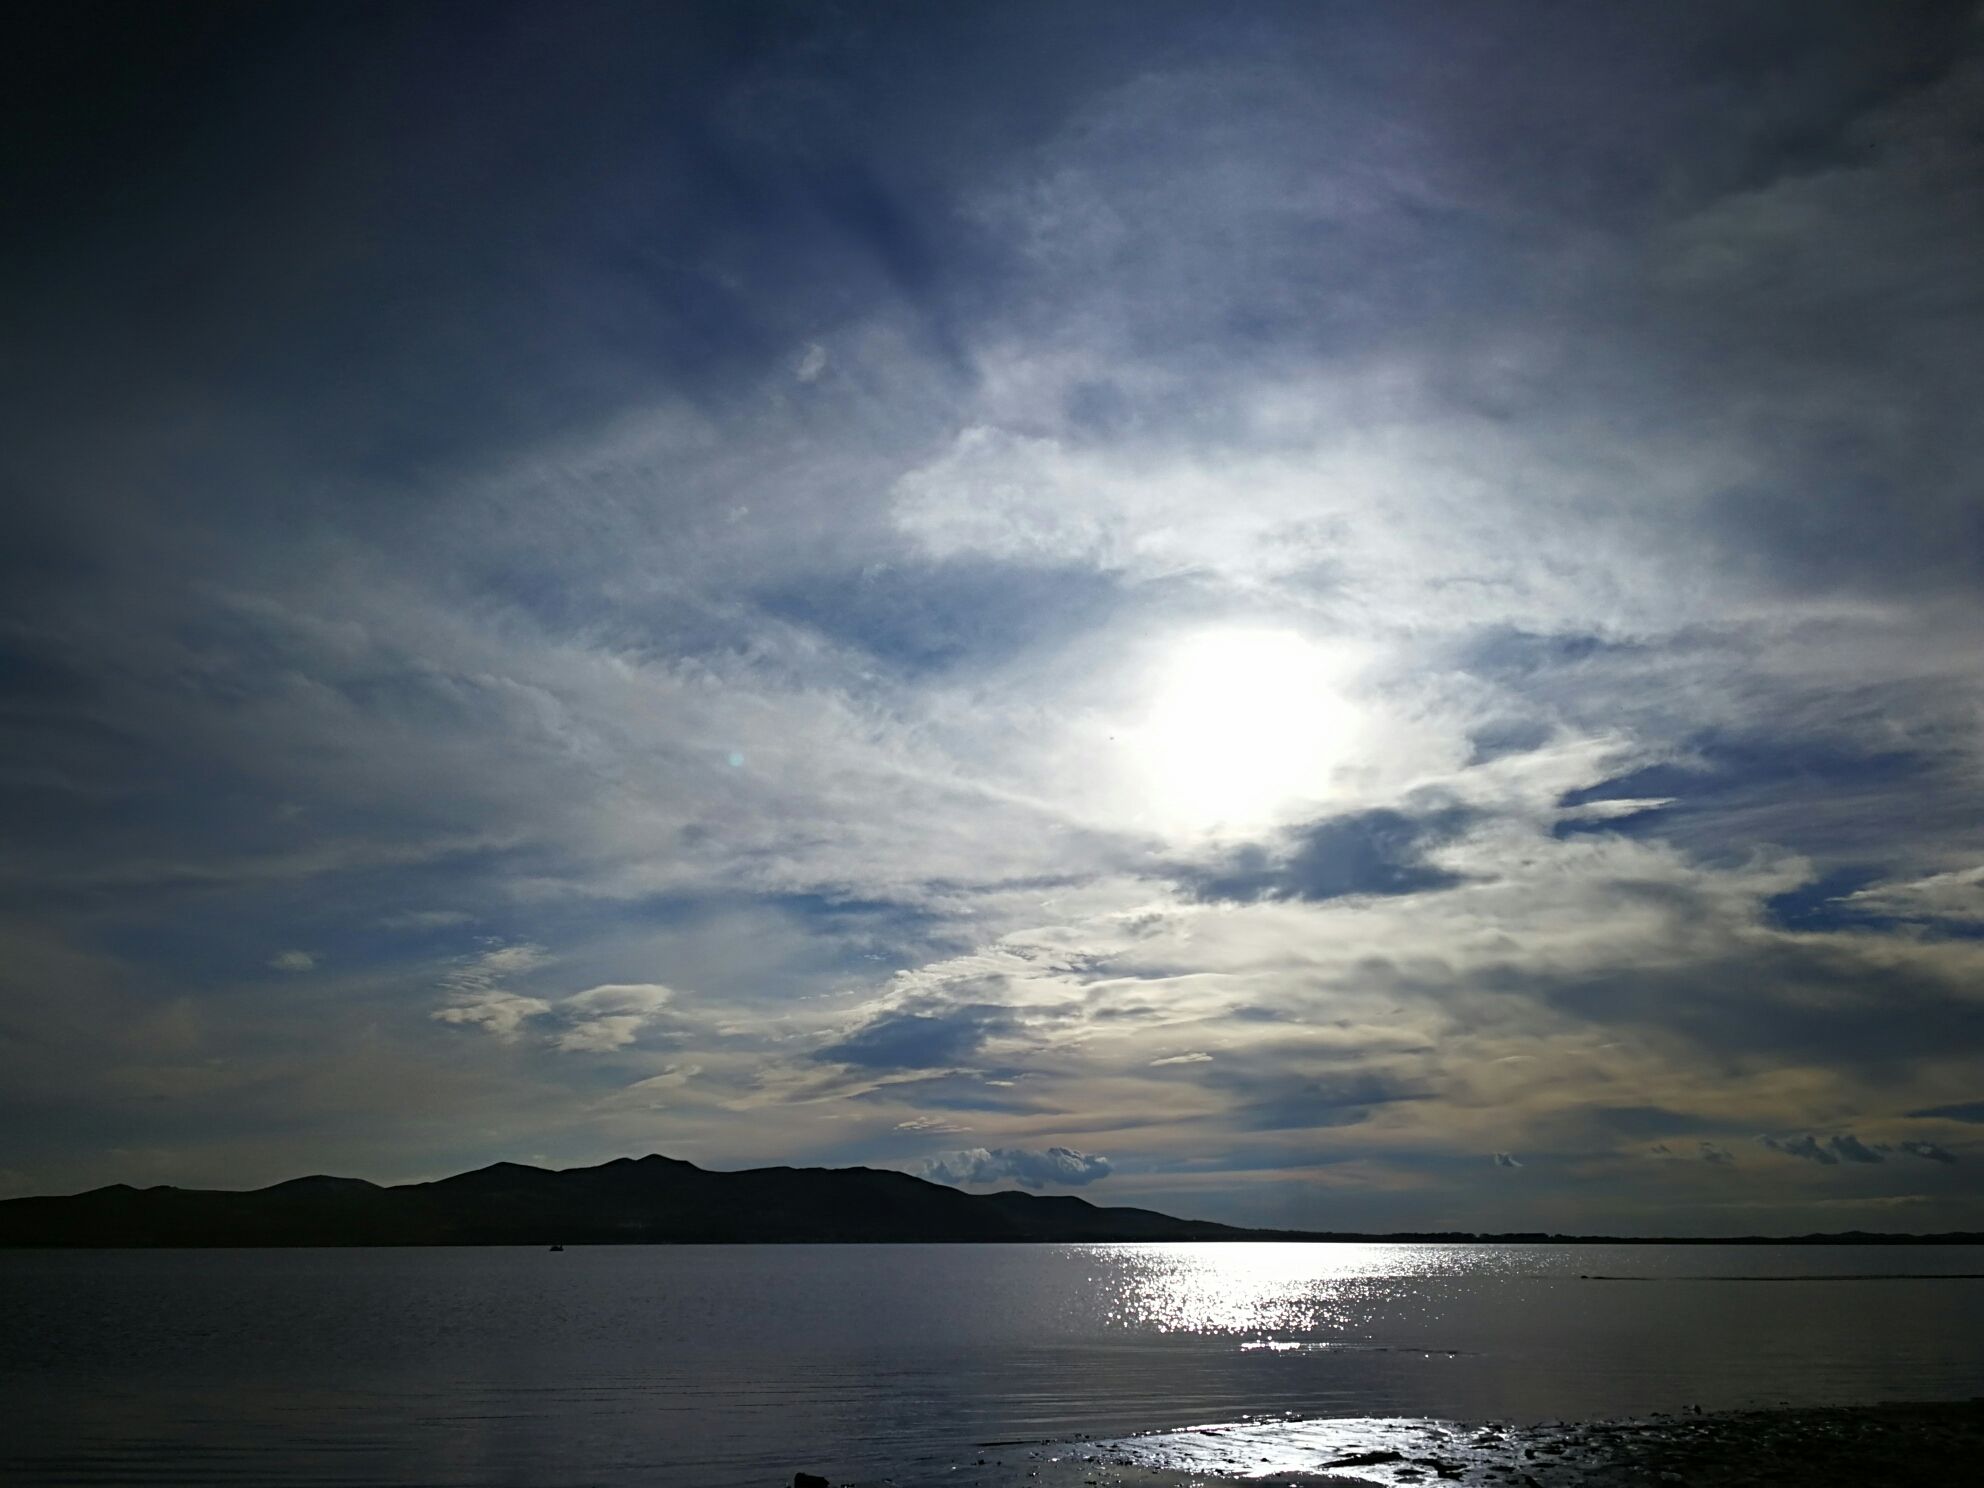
500 1013
597 1020
293 961
477 997
427 919
608 1017
1955 896
1056 1166
511 960
658 1090
473 976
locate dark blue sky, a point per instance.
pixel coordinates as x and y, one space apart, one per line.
1342 614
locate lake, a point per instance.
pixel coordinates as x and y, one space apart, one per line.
727 1366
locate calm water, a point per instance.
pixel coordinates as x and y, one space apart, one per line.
724 1366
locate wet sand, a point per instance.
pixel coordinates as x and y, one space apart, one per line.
1833 1447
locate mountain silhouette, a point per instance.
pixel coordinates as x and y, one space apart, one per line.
663 1200
628 1200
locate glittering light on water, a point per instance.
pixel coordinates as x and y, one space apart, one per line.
1264 1290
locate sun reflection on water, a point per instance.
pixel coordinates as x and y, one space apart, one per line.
1266 1289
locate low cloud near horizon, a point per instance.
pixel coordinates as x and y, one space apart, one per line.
1061 1167
1376 612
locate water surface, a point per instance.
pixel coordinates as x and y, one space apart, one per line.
726 1366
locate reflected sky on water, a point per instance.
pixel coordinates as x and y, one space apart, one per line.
727 1366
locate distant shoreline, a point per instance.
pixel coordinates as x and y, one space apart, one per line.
656 1200
1262 1237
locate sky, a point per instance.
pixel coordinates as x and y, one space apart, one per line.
1348 615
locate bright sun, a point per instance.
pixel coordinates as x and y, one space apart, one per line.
1243 724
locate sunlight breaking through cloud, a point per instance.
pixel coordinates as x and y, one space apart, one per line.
1386 657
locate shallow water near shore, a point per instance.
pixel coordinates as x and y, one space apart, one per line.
732 1366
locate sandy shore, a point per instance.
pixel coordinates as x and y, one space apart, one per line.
1843 1447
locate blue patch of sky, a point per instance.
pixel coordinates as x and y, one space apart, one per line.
906 1039
1379 852
1721 765
1626 824
1816 906
1824 905
1723 773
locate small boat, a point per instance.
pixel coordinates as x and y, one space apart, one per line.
557 1247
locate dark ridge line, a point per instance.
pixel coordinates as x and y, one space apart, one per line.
661 1200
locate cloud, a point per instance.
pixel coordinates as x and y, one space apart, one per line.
477 998
608 1017
1852 1149
471 976
1955 897
1844 1001
508 960
1713 1153
1807 1147
293 961
758 590
597 1020
1269 1098
500 1013
1061 1167
1844 1147
1972 1111
1640 1121
1926 1150
426 919
930 1124
660 1091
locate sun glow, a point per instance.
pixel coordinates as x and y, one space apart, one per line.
1243 725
